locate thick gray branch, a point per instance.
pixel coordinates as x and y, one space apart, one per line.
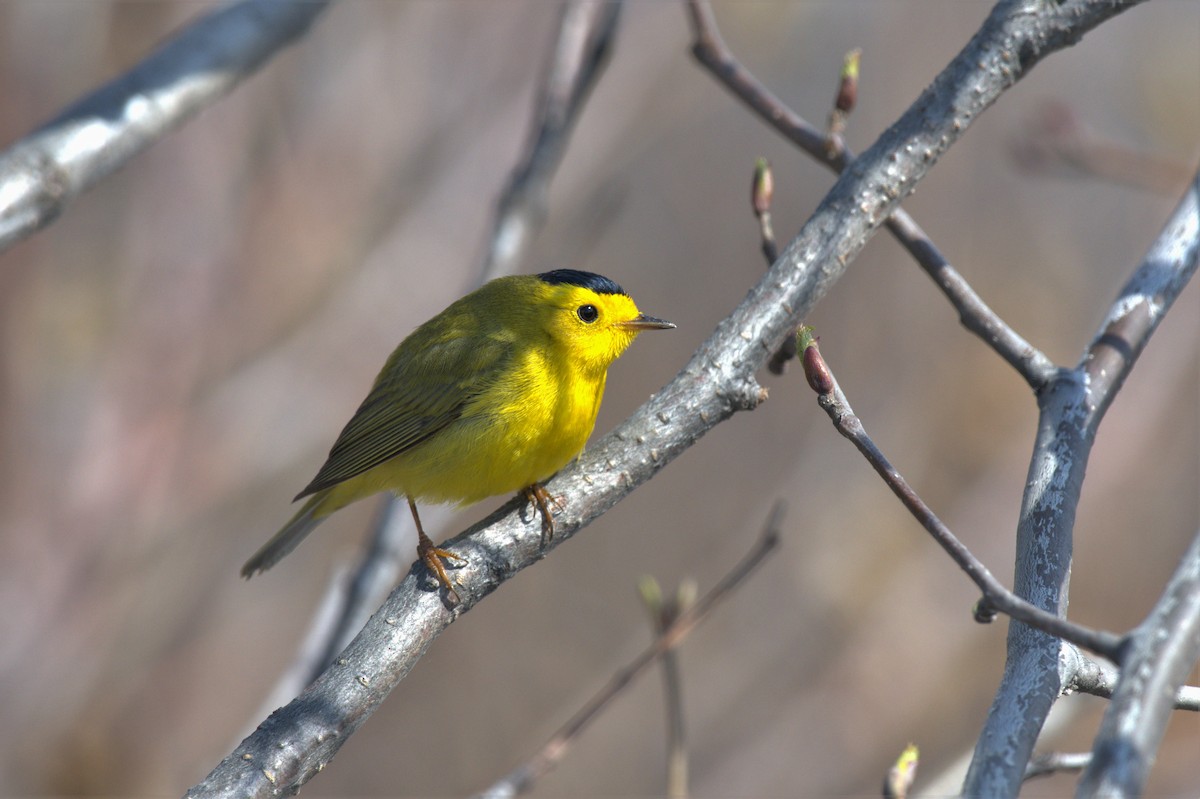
44 171
1071 408
299 739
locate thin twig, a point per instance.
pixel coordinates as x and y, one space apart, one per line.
390 546
1052 763
973 312
522 778
311 656
663 613
996 598
1095 678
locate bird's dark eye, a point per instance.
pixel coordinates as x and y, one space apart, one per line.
588 313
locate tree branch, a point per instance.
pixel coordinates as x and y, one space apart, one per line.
1100 679
1056 762
43 172
1070 410
298 740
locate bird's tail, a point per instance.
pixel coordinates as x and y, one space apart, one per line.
286 539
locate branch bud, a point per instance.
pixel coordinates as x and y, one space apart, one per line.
902 773
816 372
983 612
763 187
651 595
847 94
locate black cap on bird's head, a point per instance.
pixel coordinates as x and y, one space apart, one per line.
588 280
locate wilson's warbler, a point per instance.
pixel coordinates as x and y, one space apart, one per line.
494 394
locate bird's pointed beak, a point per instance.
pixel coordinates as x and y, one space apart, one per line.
643 322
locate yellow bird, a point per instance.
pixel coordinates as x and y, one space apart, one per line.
494 394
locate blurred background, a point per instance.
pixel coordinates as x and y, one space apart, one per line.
179 350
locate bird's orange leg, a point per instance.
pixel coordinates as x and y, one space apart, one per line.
433 556
542 500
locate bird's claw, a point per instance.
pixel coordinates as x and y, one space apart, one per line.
542 500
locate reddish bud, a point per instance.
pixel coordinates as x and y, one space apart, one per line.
816 372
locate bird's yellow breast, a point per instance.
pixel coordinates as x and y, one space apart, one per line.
529 423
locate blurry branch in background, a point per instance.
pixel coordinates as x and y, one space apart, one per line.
299 740
587 30
831 150
1055 139
97 135
664 613
996 598
583 41
667 639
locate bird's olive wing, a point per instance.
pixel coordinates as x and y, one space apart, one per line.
418 394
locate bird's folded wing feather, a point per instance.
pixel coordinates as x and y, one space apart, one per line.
418 394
